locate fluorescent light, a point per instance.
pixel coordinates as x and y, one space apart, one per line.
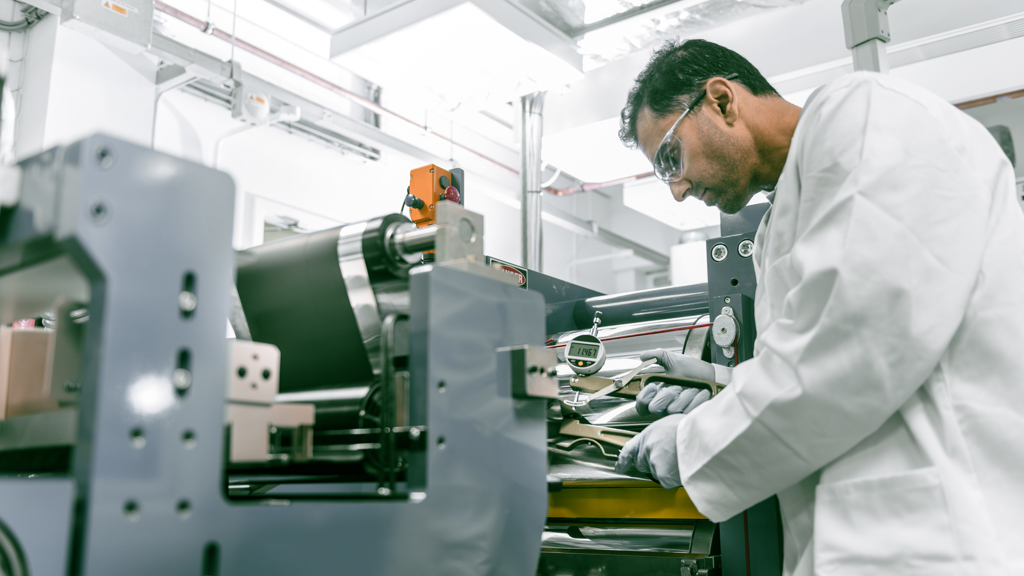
462 54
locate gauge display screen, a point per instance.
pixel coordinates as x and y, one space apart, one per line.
583 350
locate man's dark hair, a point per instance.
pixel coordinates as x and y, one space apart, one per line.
678 71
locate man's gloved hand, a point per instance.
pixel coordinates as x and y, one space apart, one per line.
660 399
676 364
653 453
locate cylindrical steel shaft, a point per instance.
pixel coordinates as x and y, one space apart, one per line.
410 240
532 129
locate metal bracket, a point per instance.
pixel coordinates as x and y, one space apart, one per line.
866 26
524 372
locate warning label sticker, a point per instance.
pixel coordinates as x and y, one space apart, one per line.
519 274
118 7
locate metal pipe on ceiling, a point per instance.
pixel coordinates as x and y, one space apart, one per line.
209 28
531 108
598 185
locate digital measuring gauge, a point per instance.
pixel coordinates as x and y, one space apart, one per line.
585 353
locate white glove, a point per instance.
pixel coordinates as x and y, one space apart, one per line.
676 364
653 453
660 399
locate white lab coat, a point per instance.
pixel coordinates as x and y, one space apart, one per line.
885 401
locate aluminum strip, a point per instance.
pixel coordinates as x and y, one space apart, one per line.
631 540
360 291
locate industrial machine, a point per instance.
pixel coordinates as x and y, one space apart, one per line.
386 419
391 404
601 522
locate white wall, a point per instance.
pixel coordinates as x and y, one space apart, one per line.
75 86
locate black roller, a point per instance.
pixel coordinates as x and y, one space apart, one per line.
642 306
294 297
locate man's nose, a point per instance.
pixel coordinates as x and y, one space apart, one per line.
679 189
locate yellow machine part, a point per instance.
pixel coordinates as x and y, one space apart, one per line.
621 500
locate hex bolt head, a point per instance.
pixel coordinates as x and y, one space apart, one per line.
719 252
187 301
746 248
182 379
414 433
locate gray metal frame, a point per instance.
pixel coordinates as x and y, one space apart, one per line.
137 223
751 541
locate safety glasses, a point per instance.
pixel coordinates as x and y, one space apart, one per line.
668 159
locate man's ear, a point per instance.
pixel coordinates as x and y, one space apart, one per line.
721 96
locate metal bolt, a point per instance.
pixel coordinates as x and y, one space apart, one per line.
728 300
187 301
383 491
181 379
414 433
105 157
719 252
746 248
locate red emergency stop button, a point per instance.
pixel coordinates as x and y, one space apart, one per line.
451 194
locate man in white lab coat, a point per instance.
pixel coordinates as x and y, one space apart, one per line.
884 404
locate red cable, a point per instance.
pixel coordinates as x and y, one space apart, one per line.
695 326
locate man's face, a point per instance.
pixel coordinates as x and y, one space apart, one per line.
717 161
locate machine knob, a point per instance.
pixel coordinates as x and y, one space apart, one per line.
725 330
444 181
451 194
414 202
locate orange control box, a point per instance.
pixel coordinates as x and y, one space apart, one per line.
428 184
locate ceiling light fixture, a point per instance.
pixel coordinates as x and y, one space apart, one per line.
472 53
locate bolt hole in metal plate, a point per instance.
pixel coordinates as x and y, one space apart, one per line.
184 509
100 213
467 232
131 511
105 157
188 439
137 438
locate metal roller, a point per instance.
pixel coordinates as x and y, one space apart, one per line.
644 306
321 297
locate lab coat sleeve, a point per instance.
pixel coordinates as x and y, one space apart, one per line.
886 252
